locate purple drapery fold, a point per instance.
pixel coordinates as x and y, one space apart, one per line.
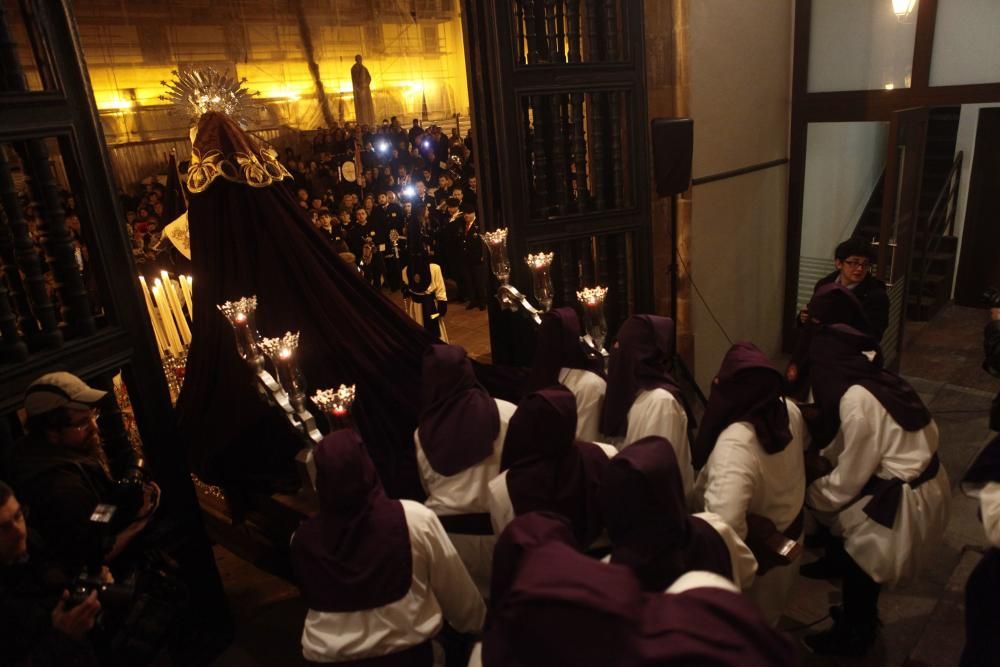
560 607
460 421
559 347
355 554
650 529
256 241
547 469
640 360
837 361
747 388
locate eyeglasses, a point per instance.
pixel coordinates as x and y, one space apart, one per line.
853 264
82 426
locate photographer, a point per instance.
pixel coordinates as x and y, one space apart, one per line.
39 624
62 472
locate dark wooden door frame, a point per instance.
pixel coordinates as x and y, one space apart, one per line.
853 106
67 111
497 82
968 285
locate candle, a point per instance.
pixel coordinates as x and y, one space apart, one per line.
336 403
186 291
173 338
541 280
161 339
175 307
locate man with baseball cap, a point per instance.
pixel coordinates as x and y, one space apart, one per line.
62 471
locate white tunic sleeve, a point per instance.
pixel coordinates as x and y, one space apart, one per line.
501 507
741 559
730 476
860 459
458 596
588 390
657 412
989 506
437 283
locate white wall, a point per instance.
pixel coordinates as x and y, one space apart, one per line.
843 163
740 71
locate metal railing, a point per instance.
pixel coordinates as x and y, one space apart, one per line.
940 222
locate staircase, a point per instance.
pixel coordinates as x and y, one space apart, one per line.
935 248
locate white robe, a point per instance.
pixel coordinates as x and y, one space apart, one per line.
740 477
467 492
871 442
989 506
441 590
501 507
437 288
588 388
657 412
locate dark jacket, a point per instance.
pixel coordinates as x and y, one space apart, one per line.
874 299
62 487
29 592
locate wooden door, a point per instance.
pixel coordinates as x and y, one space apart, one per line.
900 207
558 95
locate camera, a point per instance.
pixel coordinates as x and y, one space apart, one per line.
129 491
112 597
991 297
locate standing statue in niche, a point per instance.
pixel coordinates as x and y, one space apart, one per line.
361 79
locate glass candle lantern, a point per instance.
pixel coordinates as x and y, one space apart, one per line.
592 300
241 316
336 405
541 278
281 351
496 243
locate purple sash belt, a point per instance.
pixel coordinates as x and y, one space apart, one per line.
888 493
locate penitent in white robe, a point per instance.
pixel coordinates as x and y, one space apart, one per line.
588 388
741 559
441 591
871 442
467 492
501 507
437 288
740 477
657 412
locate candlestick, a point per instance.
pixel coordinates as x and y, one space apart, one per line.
175 307
336 405
281 351
496 243
541 278
161 339
592 300
241 316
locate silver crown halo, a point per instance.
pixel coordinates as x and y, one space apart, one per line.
197 91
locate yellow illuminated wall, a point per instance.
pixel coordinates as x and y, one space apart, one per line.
132 45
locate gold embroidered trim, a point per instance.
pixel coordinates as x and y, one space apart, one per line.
258 169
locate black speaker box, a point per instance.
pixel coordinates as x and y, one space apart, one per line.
673 142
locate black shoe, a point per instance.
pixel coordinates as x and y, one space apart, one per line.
844 638
824 568
470 306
